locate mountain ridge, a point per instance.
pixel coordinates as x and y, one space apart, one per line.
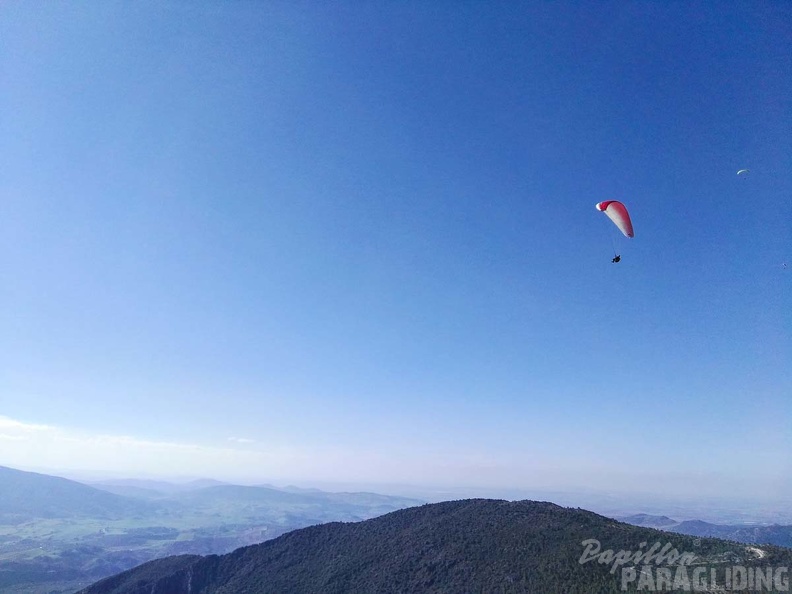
774 534
25 495
469 545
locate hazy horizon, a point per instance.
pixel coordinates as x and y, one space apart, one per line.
719 508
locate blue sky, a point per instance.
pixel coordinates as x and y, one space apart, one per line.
296 241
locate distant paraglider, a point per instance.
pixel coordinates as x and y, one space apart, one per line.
617 213
743 171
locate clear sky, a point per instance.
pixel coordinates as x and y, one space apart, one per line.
356 241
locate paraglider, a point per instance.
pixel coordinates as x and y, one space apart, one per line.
741 171
617 213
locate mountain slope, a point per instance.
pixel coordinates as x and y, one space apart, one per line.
452 547
60 535
27 495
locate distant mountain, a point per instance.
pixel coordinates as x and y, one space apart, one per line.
130 491
745 533
281 506
202 484
246 494
648 521
28 495
152 486
294 489
453 547
58 535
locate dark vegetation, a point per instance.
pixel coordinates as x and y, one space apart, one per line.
470 546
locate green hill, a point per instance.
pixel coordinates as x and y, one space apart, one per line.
470 546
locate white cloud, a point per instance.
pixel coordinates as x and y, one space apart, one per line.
33 445
240 459
7 423
242 440
11 437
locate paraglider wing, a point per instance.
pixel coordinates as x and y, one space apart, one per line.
741 171
617 213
